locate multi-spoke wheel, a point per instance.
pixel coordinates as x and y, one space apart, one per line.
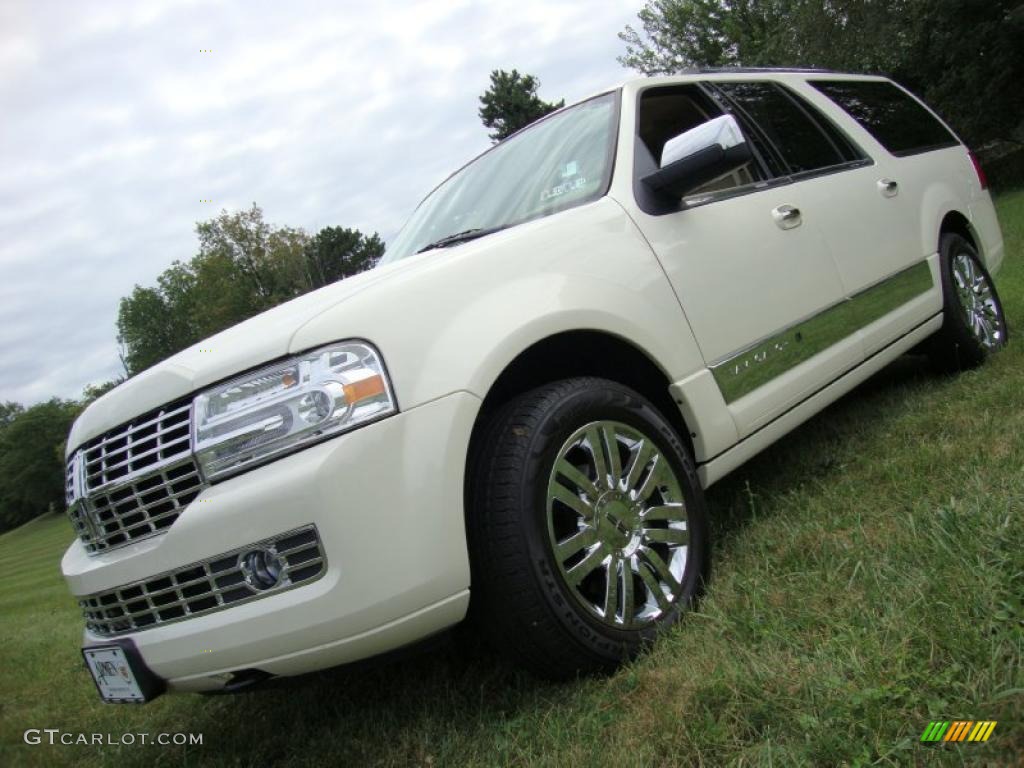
978 303
617 524
587 527
974 325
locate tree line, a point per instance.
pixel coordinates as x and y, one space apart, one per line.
32 454
244 266
963 56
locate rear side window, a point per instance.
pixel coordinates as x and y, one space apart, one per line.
897 120
804 138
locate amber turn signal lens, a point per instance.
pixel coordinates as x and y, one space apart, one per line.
363 389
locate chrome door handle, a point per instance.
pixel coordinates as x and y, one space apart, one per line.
787 216
888 187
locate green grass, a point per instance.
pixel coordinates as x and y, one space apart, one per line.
869 577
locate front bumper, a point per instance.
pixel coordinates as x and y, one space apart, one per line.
387 502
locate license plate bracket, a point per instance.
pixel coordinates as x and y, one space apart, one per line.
120 674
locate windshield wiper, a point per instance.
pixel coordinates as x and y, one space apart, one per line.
460 237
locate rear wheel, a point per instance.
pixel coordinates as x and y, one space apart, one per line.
973 326
588 531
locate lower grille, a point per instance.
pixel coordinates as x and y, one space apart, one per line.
204 587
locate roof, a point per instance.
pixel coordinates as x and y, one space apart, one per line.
721 73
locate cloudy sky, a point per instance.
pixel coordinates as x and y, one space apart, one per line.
117 123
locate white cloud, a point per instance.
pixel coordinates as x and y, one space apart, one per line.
116 125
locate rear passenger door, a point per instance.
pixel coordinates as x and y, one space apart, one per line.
916 155
859 205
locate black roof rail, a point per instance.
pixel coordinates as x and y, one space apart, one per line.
747 70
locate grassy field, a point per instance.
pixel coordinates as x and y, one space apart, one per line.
869 577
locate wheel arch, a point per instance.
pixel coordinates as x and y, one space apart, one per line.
955 222
572 353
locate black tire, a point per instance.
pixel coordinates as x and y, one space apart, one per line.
521 599
959 346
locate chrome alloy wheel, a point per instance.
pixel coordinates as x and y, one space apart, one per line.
617 524
978 303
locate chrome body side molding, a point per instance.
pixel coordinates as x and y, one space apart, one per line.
753 366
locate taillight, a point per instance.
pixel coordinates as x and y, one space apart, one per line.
978 170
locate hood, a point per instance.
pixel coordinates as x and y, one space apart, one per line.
251 343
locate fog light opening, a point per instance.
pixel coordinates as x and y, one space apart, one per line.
262 569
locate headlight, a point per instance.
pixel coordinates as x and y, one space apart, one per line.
284 407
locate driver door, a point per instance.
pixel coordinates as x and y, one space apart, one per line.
754 274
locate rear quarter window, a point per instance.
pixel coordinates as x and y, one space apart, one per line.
897 120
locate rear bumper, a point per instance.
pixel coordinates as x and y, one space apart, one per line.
387 503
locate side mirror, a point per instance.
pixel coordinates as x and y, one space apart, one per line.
702 154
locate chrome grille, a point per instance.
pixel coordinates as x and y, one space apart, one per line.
203 587
69 481
142 508
149 441
133 481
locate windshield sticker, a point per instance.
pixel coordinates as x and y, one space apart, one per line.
560 189
570 170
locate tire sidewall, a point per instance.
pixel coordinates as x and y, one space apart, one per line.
605 400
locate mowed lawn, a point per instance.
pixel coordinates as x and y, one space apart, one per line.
869 578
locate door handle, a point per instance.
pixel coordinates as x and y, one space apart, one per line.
787 217
888 187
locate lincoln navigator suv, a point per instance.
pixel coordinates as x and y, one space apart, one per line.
515 415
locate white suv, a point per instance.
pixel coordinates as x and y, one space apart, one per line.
572 337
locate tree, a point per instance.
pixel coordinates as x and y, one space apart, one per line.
244 266
149 328
256 252
31 474
962 56
511 103
966 59
852 34
335 253
96 391
9 412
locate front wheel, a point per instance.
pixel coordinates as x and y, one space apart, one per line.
587 528
973 325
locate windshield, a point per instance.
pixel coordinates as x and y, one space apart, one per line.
557 163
